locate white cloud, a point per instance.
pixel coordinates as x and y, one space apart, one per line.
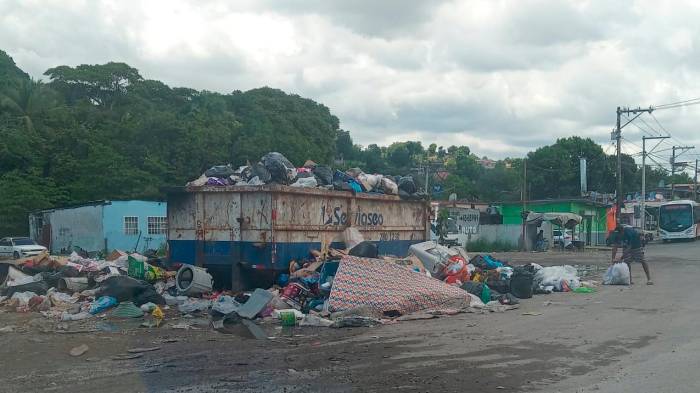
501 76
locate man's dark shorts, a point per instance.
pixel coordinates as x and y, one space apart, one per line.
630 255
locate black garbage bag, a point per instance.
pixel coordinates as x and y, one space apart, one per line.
473 287
506 298
68 271
407 185
500 286
38 287
261 172
365 249
281 169
521 282
221 171
416 196
51 278
324 175
479 262
418 179
125 288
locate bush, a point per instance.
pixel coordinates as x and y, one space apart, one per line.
480 245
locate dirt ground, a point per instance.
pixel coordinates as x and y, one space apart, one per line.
617 339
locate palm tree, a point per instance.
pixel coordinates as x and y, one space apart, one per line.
28 100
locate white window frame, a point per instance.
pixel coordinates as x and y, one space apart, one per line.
157 225
130 230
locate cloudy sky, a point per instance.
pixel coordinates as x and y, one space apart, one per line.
502 77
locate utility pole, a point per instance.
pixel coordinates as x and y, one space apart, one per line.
674 164
523 194
618 189
617 135
695 182
644 176
427 178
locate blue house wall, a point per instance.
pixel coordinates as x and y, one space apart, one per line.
113 225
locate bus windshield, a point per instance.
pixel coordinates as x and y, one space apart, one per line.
675 218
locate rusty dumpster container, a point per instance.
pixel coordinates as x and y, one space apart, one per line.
240 233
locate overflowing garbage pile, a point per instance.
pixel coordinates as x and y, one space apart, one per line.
78 288
347 287
274 168
494 280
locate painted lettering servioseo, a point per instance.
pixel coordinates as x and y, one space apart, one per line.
335 215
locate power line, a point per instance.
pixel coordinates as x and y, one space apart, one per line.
634 123
691 101
657 122
650 127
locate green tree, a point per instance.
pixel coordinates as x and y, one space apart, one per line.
432 150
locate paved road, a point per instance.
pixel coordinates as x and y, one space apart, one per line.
667 313
619 339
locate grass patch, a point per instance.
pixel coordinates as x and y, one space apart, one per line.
480 245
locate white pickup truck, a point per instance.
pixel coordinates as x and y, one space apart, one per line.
19 247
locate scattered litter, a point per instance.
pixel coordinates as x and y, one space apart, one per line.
256 303
194 305
356 321
79 350
314 320
146 349
127 310
128 357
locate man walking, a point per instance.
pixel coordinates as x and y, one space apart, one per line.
632 248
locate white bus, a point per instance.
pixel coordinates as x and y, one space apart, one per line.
679 220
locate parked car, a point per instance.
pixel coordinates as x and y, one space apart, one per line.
19 247
563 237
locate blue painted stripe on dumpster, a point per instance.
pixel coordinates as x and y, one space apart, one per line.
222 252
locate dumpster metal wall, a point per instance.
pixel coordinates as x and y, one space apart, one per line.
265 227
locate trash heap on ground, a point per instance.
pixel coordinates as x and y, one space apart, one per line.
79 288
274 168
333 288
349 287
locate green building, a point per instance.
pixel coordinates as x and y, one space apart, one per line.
592 229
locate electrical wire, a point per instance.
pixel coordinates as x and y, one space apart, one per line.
692 101
633 122
657 122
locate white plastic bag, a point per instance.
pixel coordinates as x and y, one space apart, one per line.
555 275
22 298
315 320
389 186
255 181
305 182
617 274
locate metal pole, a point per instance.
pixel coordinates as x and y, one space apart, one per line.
618 137
524 197
695 182
673 172
427 171
644 183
